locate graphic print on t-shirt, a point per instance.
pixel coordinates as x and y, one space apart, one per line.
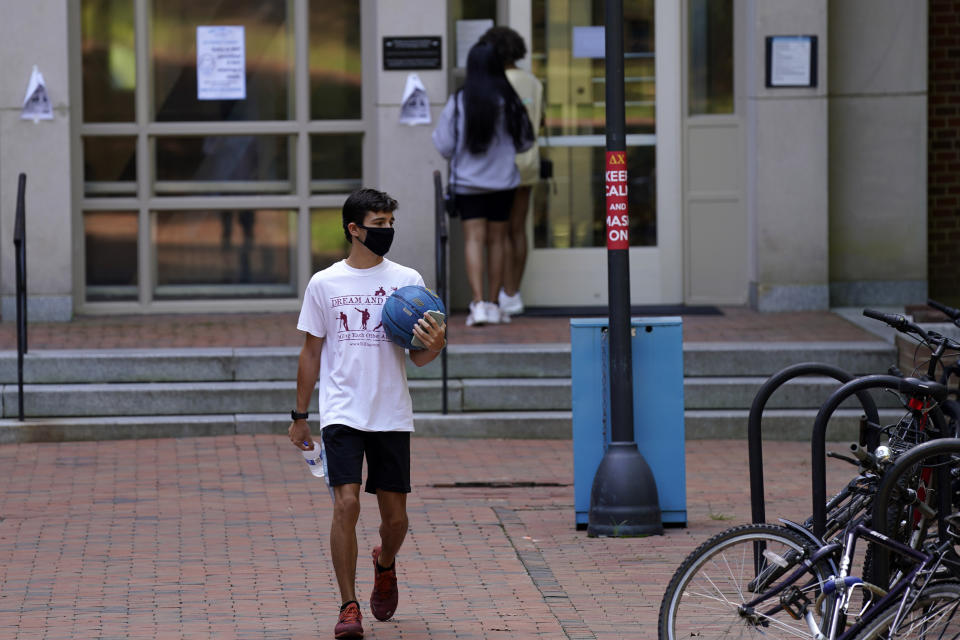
358 311
364 317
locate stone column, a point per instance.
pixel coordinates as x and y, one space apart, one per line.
787 173
38 35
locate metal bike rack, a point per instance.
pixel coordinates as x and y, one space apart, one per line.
755 444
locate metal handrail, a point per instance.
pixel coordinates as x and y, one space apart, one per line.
20 245
441 238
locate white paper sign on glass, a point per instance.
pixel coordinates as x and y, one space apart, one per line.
589 42
221 63
468 33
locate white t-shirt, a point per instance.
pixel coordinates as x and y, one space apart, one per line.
363 381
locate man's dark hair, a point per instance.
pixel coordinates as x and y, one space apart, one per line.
508 44
360 202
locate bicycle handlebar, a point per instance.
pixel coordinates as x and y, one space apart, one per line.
866 458
898 322
901 324
953 314
895 320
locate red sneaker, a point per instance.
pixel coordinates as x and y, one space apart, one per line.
383 600
348 625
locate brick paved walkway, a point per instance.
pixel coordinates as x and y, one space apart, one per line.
225 537
737 324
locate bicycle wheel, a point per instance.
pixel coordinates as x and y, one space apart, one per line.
705 595
933 615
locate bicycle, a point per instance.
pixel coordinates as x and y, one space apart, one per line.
775 551
802 589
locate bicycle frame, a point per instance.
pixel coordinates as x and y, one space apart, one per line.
925 562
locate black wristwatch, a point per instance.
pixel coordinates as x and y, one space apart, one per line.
298 416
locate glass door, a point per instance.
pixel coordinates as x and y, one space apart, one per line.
567 263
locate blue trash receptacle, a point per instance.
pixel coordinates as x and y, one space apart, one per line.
657 361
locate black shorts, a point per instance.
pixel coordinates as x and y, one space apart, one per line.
388 457
494 205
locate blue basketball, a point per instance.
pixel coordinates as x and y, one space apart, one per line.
403 309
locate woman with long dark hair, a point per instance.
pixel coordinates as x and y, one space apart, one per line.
480 131
511 48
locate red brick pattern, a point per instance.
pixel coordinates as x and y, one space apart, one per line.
226 537
943 166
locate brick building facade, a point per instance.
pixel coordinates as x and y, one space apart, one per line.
943 217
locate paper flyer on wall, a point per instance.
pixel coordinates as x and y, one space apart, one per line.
36 103
415 106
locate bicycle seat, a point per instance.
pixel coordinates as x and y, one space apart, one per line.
919 388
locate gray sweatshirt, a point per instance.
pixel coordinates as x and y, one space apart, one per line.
493 170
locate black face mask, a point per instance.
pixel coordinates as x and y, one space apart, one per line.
378 239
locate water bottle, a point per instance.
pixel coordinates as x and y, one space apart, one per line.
314 458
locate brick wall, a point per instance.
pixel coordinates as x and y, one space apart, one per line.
943 186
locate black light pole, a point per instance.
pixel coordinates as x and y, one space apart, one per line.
623 499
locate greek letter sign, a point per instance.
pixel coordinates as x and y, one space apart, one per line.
618 219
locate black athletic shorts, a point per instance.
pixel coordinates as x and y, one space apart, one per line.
388 457
494 205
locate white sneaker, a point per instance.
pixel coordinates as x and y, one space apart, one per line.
493 313
478 314
511 305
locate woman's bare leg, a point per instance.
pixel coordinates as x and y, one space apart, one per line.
496 243
515 257
474 243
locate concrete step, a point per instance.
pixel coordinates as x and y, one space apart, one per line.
149 365
467 395
464 361
187 398
184 398
739 392
777 425
516 394
499 361
493 391
519 394
766 358
526 424
272 363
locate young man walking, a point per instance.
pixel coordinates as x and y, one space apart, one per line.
365 407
